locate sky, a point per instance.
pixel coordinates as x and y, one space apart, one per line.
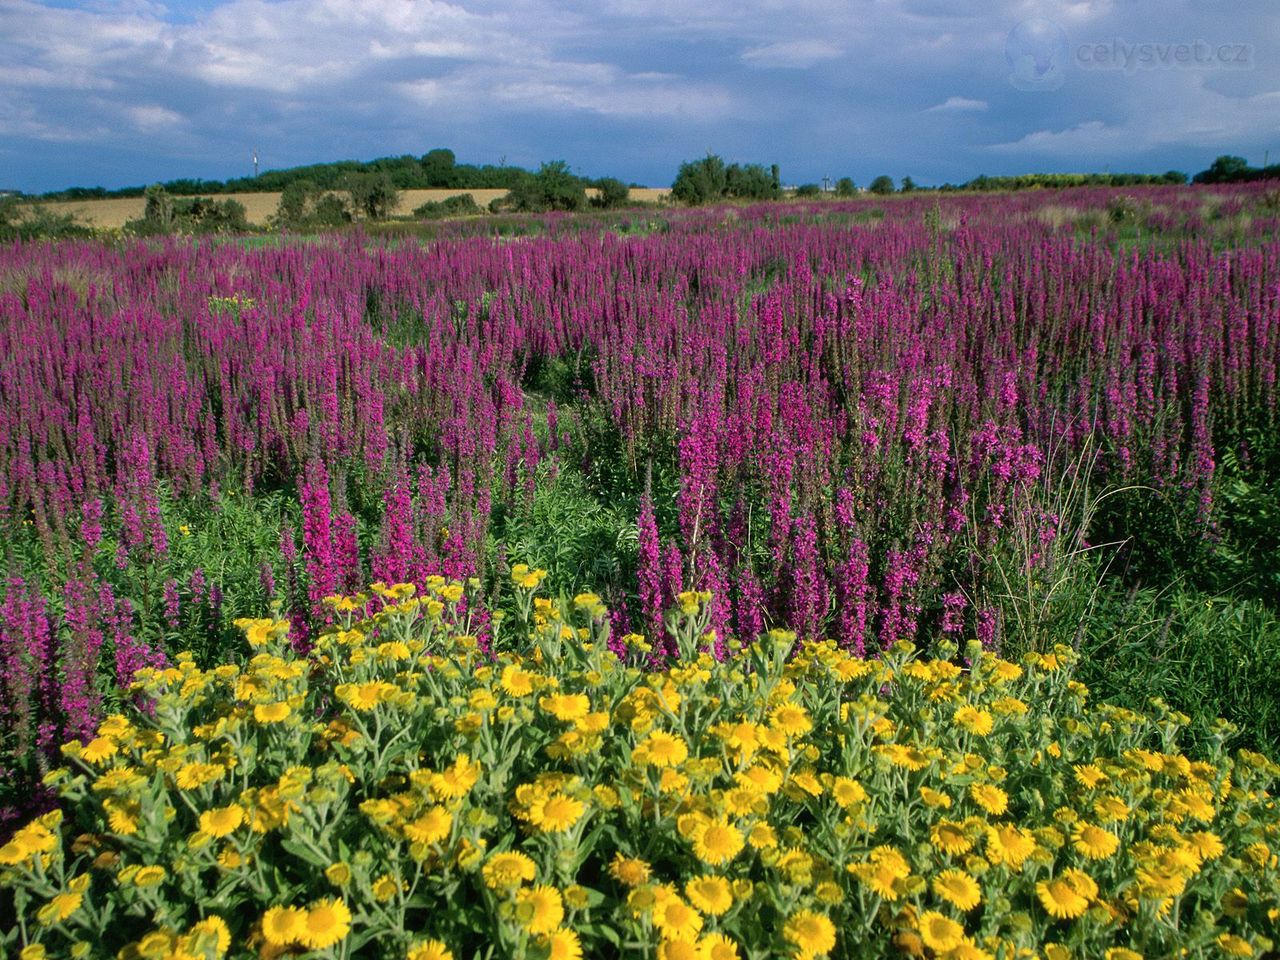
133 91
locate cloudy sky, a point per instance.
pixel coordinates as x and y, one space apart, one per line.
118 93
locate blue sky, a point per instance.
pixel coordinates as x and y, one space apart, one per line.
118 93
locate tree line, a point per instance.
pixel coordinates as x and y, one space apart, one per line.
328 195
435 170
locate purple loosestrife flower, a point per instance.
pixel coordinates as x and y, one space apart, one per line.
391 561
131 655
750 607
649 572
317 535
808 599
672 586
953 607
79 654
24 664
853 598
91 523
172 604
988 627
346 553
198 585
267 579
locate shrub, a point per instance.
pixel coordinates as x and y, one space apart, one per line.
700 181
553 187
808 190
166 214
610 193
372 194
708 180
882 184
558 799
36 222
461 205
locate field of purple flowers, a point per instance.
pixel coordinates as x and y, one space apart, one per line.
939 417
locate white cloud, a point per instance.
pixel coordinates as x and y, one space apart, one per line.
961 104
792 54
152 118
1172 108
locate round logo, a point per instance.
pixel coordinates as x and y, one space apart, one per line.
1036 50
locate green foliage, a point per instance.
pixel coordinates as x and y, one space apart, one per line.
566 530
808 190
1225 169
20 221
1164 541
374 195
304 206
461 205
700 181
294 200
845 187
1206 655
1059 181
750 182
708 180
610 193
166 214
330 210
439 168
908 185
882 184
435 169
553 187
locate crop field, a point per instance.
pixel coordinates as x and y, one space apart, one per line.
114 213
849 579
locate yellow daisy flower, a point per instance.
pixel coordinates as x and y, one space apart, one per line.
429 950
325 923
1092 841
812 933
282 926
711 895
508 869
957 888
540 909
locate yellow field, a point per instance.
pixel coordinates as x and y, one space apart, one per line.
258 206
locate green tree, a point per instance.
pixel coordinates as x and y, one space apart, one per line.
373 194
845 187
808 190
330 210
553 187
700 181
908 185
295 201
158 212
750 182
459 205
438 168
610 192
882 184
1225 169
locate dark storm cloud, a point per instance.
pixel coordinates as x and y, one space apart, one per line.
117 93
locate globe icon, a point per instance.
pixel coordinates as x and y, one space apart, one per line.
1036 50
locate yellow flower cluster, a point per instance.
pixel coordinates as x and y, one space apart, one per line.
409 791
